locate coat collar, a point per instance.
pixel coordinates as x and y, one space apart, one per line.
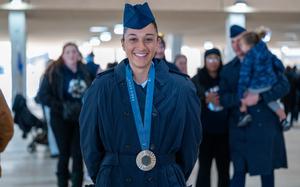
161 78
236 61
161 71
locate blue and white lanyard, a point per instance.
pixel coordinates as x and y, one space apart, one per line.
143 129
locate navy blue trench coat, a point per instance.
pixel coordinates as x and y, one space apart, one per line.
258 148
109 140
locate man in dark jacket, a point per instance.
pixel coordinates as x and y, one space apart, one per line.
259 148
140 122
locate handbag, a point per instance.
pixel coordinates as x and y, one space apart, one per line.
71 110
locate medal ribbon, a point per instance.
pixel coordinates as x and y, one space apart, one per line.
143 129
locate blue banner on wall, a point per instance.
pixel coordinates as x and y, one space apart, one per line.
1 70
20 63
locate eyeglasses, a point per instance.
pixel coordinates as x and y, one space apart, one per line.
212 60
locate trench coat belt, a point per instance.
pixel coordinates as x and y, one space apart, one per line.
117 159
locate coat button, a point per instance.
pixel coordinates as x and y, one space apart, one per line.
150 179
259 124
128 179
126 113
127 146
258 110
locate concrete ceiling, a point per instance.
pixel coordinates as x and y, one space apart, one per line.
196 20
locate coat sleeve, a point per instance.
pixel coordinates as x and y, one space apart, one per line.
245 75
90 141
192 135
278 90
199 88
45 94
6 123
228 97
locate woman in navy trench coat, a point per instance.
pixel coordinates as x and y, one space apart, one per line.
109 139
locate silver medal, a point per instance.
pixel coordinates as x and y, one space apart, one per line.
146 160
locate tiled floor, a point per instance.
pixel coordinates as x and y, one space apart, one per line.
23 169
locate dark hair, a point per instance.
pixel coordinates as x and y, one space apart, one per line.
162 41
213 51
126 28
251 38
178 57
60 59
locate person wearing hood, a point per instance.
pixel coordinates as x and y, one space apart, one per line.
214 119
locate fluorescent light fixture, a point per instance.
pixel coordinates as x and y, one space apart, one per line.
94 41
16 5
96 29
105 36
208 45
119 29
240 6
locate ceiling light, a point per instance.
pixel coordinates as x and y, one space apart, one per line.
16 5
98 29
94 41
105 36
240 6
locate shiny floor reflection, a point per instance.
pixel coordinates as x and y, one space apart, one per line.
24 169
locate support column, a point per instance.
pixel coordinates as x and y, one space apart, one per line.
174 41
17 32
232 19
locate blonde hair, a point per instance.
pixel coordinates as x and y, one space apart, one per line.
253 37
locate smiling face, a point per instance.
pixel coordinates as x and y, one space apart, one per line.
140 46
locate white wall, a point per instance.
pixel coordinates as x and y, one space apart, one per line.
5 78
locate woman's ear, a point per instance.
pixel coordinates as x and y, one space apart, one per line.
122 42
